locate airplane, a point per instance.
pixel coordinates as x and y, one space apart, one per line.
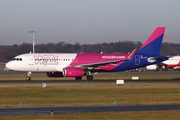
83 64
173 63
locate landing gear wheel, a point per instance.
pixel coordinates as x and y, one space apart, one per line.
28 78
78 78
89 77
163 68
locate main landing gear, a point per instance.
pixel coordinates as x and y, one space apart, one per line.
88 77
28 78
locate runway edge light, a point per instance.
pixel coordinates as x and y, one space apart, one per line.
52 113
114 102
43 85
20 104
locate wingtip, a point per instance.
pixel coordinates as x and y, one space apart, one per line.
132 54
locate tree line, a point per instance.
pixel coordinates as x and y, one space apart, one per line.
7 52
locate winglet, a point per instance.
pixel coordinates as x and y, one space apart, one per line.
132 54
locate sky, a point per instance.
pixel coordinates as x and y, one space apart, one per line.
86 21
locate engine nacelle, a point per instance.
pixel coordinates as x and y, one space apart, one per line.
152 67
73 72
55 74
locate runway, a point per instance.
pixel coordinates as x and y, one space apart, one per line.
127 81
34 81
73 109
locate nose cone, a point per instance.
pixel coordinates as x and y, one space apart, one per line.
9 65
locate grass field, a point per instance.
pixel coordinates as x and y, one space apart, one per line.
92 94
88 94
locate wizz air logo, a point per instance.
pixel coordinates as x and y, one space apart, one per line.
113 57
46 59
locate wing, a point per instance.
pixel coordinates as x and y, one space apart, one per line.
106 62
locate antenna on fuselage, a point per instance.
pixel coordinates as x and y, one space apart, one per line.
32 31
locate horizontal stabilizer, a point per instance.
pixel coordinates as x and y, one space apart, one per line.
159 58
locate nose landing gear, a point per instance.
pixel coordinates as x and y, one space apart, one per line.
28 78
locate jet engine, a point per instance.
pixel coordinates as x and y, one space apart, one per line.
73 72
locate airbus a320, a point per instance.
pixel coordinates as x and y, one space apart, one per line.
83 64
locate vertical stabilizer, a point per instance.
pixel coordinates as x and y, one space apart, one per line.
153 44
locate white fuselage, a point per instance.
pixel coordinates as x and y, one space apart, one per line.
40 62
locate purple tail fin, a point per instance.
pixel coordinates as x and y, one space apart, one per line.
153 44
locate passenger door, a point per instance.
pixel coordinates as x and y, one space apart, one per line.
30 60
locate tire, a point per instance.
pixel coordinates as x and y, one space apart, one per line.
89 77
28 78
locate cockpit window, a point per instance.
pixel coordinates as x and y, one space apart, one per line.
17 59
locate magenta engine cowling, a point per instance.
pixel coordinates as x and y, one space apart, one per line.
73 72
